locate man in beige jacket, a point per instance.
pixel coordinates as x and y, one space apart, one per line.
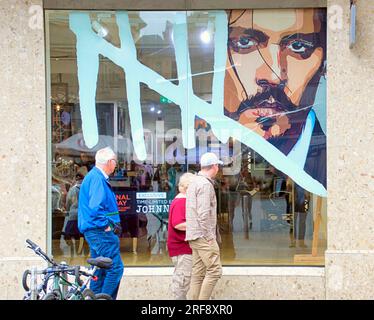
201 229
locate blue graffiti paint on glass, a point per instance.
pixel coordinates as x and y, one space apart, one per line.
90 45
299 152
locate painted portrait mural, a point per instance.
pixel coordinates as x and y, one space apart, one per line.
275 64
268 85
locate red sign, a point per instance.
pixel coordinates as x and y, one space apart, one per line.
125 201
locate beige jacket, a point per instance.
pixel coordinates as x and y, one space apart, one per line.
201 209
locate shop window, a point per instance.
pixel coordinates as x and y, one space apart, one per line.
162 88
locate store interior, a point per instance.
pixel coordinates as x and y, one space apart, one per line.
259 222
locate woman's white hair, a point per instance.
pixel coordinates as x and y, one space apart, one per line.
184 181
104 155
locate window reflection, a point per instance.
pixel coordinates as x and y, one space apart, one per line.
264 217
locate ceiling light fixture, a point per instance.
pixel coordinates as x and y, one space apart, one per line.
205 36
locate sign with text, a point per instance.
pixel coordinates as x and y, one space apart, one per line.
152 202
125 201
151 195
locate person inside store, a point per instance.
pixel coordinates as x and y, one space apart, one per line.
71 232
130 224
178 248
86 162
201 229
144 177
302 203
99 221
59 190
172 176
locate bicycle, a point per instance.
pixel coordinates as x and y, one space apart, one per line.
80 288
51 272
62 288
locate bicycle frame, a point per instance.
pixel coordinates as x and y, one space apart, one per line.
62 287
77 289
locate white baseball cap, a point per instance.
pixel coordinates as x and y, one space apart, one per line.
208 159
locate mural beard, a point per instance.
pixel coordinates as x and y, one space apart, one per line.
273 116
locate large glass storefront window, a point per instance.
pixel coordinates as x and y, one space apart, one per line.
162 88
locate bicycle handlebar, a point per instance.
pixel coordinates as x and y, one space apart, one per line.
32 244
72 270
56 267
40 252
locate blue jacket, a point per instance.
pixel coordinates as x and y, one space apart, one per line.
97 207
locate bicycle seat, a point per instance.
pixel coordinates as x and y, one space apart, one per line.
100 262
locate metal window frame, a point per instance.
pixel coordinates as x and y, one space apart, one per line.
160 5
147 5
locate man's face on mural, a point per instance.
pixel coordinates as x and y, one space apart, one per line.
272 69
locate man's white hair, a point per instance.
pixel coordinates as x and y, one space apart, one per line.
104 155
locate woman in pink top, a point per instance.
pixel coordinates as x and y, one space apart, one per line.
179 250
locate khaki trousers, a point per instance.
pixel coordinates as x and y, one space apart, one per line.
206 268
182 276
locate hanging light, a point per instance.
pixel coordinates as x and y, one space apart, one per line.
205 36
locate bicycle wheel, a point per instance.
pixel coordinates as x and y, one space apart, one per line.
88 294
27 296
39 295
103 296
54 295
24 280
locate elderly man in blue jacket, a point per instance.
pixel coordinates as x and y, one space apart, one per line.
99 221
